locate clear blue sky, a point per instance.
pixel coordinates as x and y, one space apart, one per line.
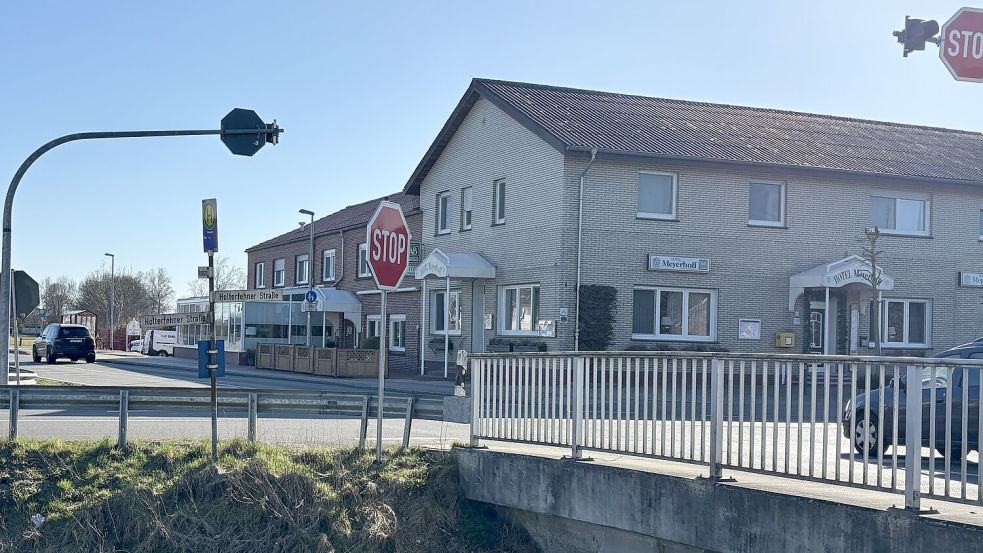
362 89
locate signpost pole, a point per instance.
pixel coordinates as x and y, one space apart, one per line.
13 303
212 362
382 375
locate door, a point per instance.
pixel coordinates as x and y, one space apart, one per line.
817 330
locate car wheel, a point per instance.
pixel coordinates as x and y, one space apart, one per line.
51 358
91 358
35 356
865 434
161 354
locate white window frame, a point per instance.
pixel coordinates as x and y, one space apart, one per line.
500 207
895 195
433 313
443 213
980 222
906 343
370 321
282 272
327 276
393 321
675 197
363 258
503 316
259 275
302 258
658 336
467 207
781 208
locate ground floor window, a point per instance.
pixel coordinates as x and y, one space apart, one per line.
397 332
519 308
906 322
674 314
372 326
446 310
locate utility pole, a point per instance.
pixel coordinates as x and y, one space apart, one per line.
870 255
112 298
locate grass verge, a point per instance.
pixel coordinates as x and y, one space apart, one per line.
41 381
168 496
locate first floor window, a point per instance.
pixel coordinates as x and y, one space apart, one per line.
327 269
303 266
899 215
363 261
656 196
906 322
674 314
443 213
520 309
397 332
981 223
467 195
446 313
372 326
766 204
259 277
498 196
279 272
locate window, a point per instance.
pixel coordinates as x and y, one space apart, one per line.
656 195
900 215
363 261
259 275
498 202
302 266
443 213
981 223
467 194
906 323
397 332
674 314
446 309
327 265
766 204
372 326
520 309
279 272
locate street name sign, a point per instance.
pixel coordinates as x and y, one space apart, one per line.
174 319
388 237
229 296
962 45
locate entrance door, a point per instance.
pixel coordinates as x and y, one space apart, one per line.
816 330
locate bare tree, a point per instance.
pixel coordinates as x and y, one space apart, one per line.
227 277
58 296
870 253
160 293
94 294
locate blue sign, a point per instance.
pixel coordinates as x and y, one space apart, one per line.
41 314
209 224
203 358
311 296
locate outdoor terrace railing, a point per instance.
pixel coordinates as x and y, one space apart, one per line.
837 419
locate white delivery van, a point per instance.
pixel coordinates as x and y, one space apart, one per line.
159 342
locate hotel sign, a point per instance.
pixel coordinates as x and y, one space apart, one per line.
679 264
972 280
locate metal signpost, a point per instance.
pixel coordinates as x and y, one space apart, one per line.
388 237
242 131
209 234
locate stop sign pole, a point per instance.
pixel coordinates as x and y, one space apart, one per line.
388 239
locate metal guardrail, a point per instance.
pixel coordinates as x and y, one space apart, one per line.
837 419
253 402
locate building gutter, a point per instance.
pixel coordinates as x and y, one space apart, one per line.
580 240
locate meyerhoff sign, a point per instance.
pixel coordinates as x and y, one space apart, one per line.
972 280
679 264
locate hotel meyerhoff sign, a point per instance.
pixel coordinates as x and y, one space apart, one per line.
679 264
972 280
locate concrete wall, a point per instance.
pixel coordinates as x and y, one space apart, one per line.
696 513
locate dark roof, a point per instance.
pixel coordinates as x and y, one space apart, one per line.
574 120
352 216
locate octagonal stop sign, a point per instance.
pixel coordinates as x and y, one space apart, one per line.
962 45
388 239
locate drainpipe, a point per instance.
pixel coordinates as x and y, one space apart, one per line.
580 240
341 263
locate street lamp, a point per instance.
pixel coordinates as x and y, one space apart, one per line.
310 271
112 296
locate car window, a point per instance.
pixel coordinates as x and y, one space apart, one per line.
74 332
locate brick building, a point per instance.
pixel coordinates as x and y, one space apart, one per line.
348 302
716 226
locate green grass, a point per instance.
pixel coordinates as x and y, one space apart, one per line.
51 382
168 496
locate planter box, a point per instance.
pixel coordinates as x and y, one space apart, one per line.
326 362
283 357
498 348
303 359
358 363
525 349
264 356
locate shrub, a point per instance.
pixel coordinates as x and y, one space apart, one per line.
372 342
596 324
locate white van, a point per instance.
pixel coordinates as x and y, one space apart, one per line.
159 342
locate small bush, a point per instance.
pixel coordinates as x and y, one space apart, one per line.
372 342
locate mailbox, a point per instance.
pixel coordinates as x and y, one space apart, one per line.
784 339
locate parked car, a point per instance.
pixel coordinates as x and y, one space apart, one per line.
159 343
865 421
136 345
64 340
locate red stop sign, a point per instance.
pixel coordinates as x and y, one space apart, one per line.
388 239
962 45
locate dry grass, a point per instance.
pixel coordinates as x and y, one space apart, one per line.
167 496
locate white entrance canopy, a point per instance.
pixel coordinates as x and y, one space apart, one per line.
454 265
849 270
337 301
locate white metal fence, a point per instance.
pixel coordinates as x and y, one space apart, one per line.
842 420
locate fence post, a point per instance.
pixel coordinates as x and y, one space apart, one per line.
253 415
578 408
14 407
365 422
476 369
408 423
716 416
913 439
124 412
